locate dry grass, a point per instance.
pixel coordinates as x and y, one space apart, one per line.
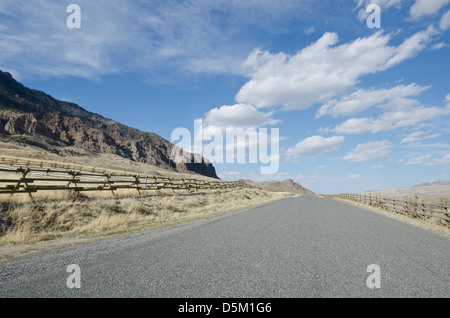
433 194
79 216
437 199
57 219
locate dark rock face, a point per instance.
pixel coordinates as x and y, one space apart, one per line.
29 112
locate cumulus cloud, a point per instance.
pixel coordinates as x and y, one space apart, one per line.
237 134
316 145
427 7
369 151
390 120
239 116
365 99
322 70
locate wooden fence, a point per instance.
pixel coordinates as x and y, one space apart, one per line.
16 162
32 179
413 208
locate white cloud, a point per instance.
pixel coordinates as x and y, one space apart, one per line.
439 46
445 21
354 176
35 38
310 30
352 126
369 151
412 46
239 116
384 4
391 120
316 145
418 136
418 160
442 161
322 70
427 7
226 175
184 36
237 133
381 3
365 99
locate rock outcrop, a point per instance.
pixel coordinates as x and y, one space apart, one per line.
53 124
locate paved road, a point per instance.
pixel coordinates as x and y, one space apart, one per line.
300 247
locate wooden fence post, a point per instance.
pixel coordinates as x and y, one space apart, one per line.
406 207
137 182
108 181
422 205
73 180
22 180
447 215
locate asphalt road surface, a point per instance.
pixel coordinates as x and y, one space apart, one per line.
300 247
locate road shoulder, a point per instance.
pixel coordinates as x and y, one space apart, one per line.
440 230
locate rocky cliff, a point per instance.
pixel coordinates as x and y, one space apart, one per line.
36 118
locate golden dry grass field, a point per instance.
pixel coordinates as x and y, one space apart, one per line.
82 216
62 218
30 226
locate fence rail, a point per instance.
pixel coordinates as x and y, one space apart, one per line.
17 162
32 179
412 208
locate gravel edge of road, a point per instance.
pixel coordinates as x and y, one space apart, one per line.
440 230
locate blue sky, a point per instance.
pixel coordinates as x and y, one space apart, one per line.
357 108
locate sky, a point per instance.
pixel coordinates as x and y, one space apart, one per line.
357 108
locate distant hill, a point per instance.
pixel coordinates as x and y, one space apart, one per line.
33 118
435 192
289 186
437 183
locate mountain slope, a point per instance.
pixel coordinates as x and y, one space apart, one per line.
34 118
